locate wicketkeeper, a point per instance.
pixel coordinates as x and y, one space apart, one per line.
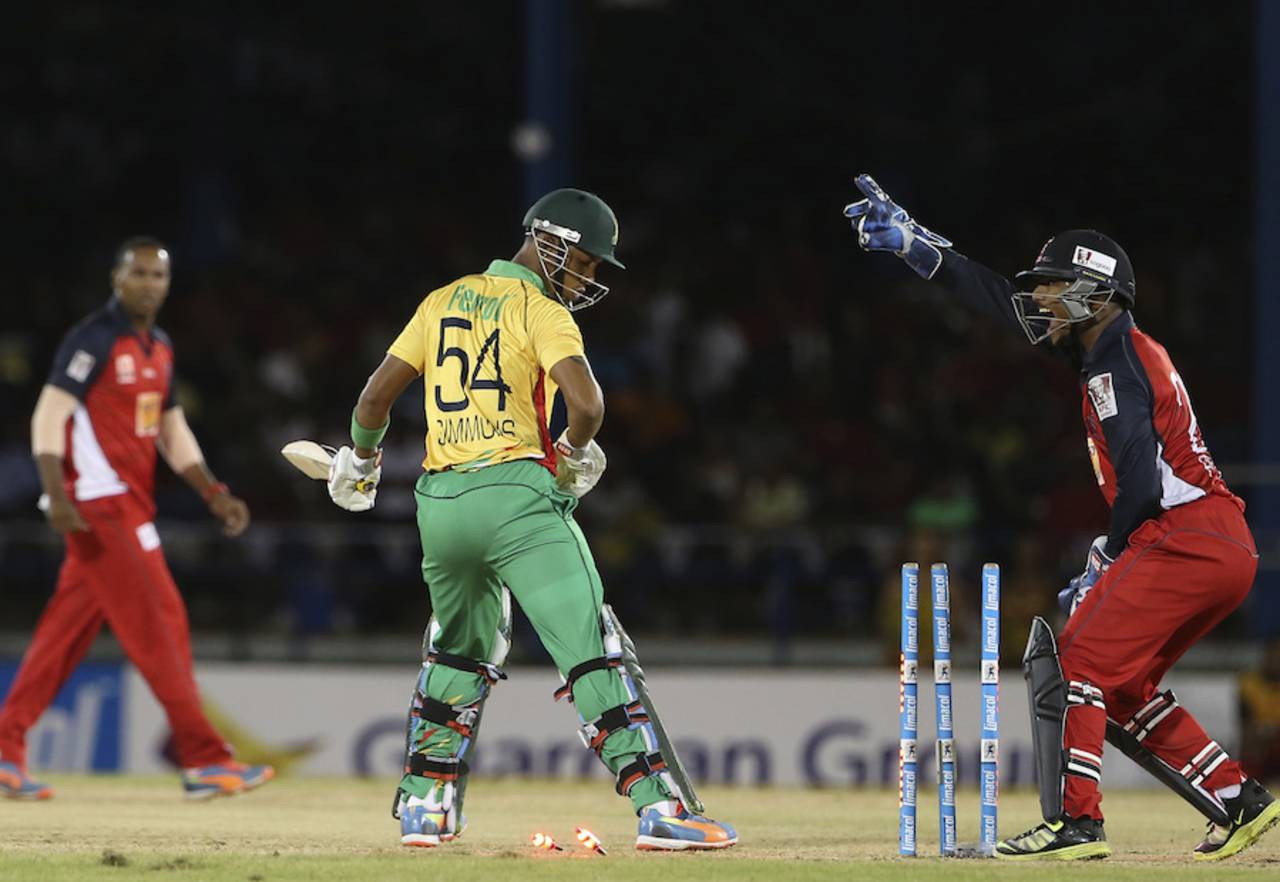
495 510
1178 556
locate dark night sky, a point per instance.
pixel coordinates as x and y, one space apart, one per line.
318 169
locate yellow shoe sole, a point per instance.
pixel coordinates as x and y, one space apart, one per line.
1246 835
1085 851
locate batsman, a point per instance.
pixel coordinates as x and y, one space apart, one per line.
1177 558
495 510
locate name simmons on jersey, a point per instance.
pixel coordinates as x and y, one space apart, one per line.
459 430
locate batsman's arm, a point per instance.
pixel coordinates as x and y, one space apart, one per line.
582 398
385 385
49 447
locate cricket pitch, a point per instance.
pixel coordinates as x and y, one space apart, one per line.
125 828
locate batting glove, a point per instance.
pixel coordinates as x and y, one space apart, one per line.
1078 588
578 469
353 482
883 225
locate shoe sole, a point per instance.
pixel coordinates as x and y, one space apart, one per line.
246 785
30 797
656 843
1252 831
209 793
1085 851
431 840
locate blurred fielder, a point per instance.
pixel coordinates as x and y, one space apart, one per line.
1177 559
106 409
495 512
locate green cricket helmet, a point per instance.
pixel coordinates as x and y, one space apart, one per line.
565 218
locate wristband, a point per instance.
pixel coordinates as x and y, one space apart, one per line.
217 488
367 438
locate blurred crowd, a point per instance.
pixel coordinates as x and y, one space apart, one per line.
788 419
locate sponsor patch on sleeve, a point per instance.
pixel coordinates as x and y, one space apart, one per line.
148 538
80 365
1103 395
1094 260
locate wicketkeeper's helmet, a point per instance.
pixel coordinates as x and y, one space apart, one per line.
1098 270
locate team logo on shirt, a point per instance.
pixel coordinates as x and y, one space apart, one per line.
80 365
1103 395
146 422
1097 462
126 371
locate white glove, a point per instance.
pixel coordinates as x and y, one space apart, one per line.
353 482
578 469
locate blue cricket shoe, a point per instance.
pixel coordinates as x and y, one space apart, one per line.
664 829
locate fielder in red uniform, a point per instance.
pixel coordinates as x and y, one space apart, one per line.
1177 559
106 410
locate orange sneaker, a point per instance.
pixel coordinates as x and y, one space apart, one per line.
662 829
16 784
224 779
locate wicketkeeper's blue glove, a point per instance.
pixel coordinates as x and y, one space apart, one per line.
1078 588
883 225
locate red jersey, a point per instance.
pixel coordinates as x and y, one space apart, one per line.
124 383
1144 438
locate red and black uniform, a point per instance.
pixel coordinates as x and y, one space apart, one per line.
116 572
1183 556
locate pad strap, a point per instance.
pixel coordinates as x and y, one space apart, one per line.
615 719
459 719
1151 714
1082 693
596 664
446 769
492 673
637 770
1204 763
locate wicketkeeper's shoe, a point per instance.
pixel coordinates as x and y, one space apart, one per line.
1066 839
224 779
1252 813
672 827
423 825
15 783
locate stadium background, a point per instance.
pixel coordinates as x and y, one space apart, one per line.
788 418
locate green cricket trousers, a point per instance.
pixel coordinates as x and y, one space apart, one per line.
510 524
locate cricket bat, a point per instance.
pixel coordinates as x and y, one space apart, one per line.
310 458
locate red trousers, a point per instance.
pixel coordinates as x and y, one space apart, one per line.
115 573
1181 575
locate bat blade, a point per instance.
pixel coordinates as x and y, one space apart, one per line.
310 458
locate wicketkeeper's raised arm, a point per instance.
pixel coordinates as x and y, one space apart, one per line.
883 225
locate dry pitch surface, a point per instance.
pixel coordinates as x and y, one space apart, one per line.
139 828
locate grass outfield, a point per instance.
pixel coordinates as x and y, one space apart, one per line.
125 828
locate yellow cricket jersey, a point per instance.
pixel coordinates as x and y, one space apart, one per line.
485 345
